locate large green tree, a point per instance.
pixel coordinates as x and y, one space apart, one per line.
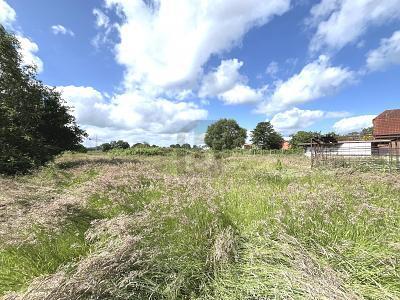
35 124
225 134
264 136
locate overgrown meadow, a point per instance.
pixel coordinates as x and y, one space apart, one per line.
198 226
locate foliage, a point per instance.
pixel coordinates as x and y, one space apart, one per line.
265 137
142 145
302 137
186 146
225 134
175 146
114 145
35 124
105 147
328 138
364 134
145 151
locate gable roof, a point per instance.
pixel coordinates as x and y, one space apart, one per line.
387 123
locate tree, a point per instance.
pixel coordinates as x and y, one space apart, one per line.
329 138
186 146
35 124
225 134
301 137
105 147
264 136
120 144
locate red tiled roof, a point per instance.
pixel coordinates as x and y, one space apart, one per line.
387 123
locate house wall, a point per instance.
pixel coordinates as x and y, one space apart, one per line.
346 149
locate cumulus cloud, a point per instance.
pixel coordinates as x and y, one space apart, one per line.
387 54
296 119
222 79
351 124
166 43
241 94
131 111
226 83
316 80
28 52
340 22
59 29
7 14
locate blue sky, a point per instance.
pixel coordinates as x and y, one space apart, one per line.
154 70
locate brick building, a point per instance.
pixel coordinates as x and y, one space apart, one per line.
387 126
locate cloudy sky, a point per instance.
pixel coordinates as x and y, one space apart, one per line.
159 70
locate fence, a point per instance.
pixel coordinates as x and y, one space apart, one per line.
371 155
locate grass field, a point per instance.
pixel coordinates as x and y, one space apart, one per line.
199 227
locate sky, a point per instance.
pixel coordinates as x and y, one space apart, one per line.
160 71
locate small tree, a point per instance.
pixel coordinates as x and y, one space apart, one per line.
329 138
265 137
186 146
105 147
225 134
302 137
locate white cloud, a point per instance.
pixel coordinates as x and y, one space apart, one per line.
28 52
224 78
241 94
59 29
166 43
226 83
131 111
296 119
316 80
347 125
28 47
89 106
102 20
388 53
7 14
272 69
340 22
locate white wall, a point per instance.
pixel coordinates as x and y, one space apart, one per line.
347 149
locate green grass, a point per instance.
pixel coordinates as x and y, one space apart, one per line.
23 262
225 227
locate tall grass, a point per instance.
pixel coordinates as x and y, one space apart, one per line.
223 227
49 249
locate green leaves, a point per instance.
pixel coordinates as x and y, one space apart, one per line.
225 134
35 124
265 137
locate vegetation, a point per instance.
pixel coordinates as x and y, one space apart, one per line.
303 137
265 137
95 226
114 145
225 134
35 124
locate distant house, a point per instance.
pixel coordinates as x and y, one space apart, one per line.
247 146
286 145
386 132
